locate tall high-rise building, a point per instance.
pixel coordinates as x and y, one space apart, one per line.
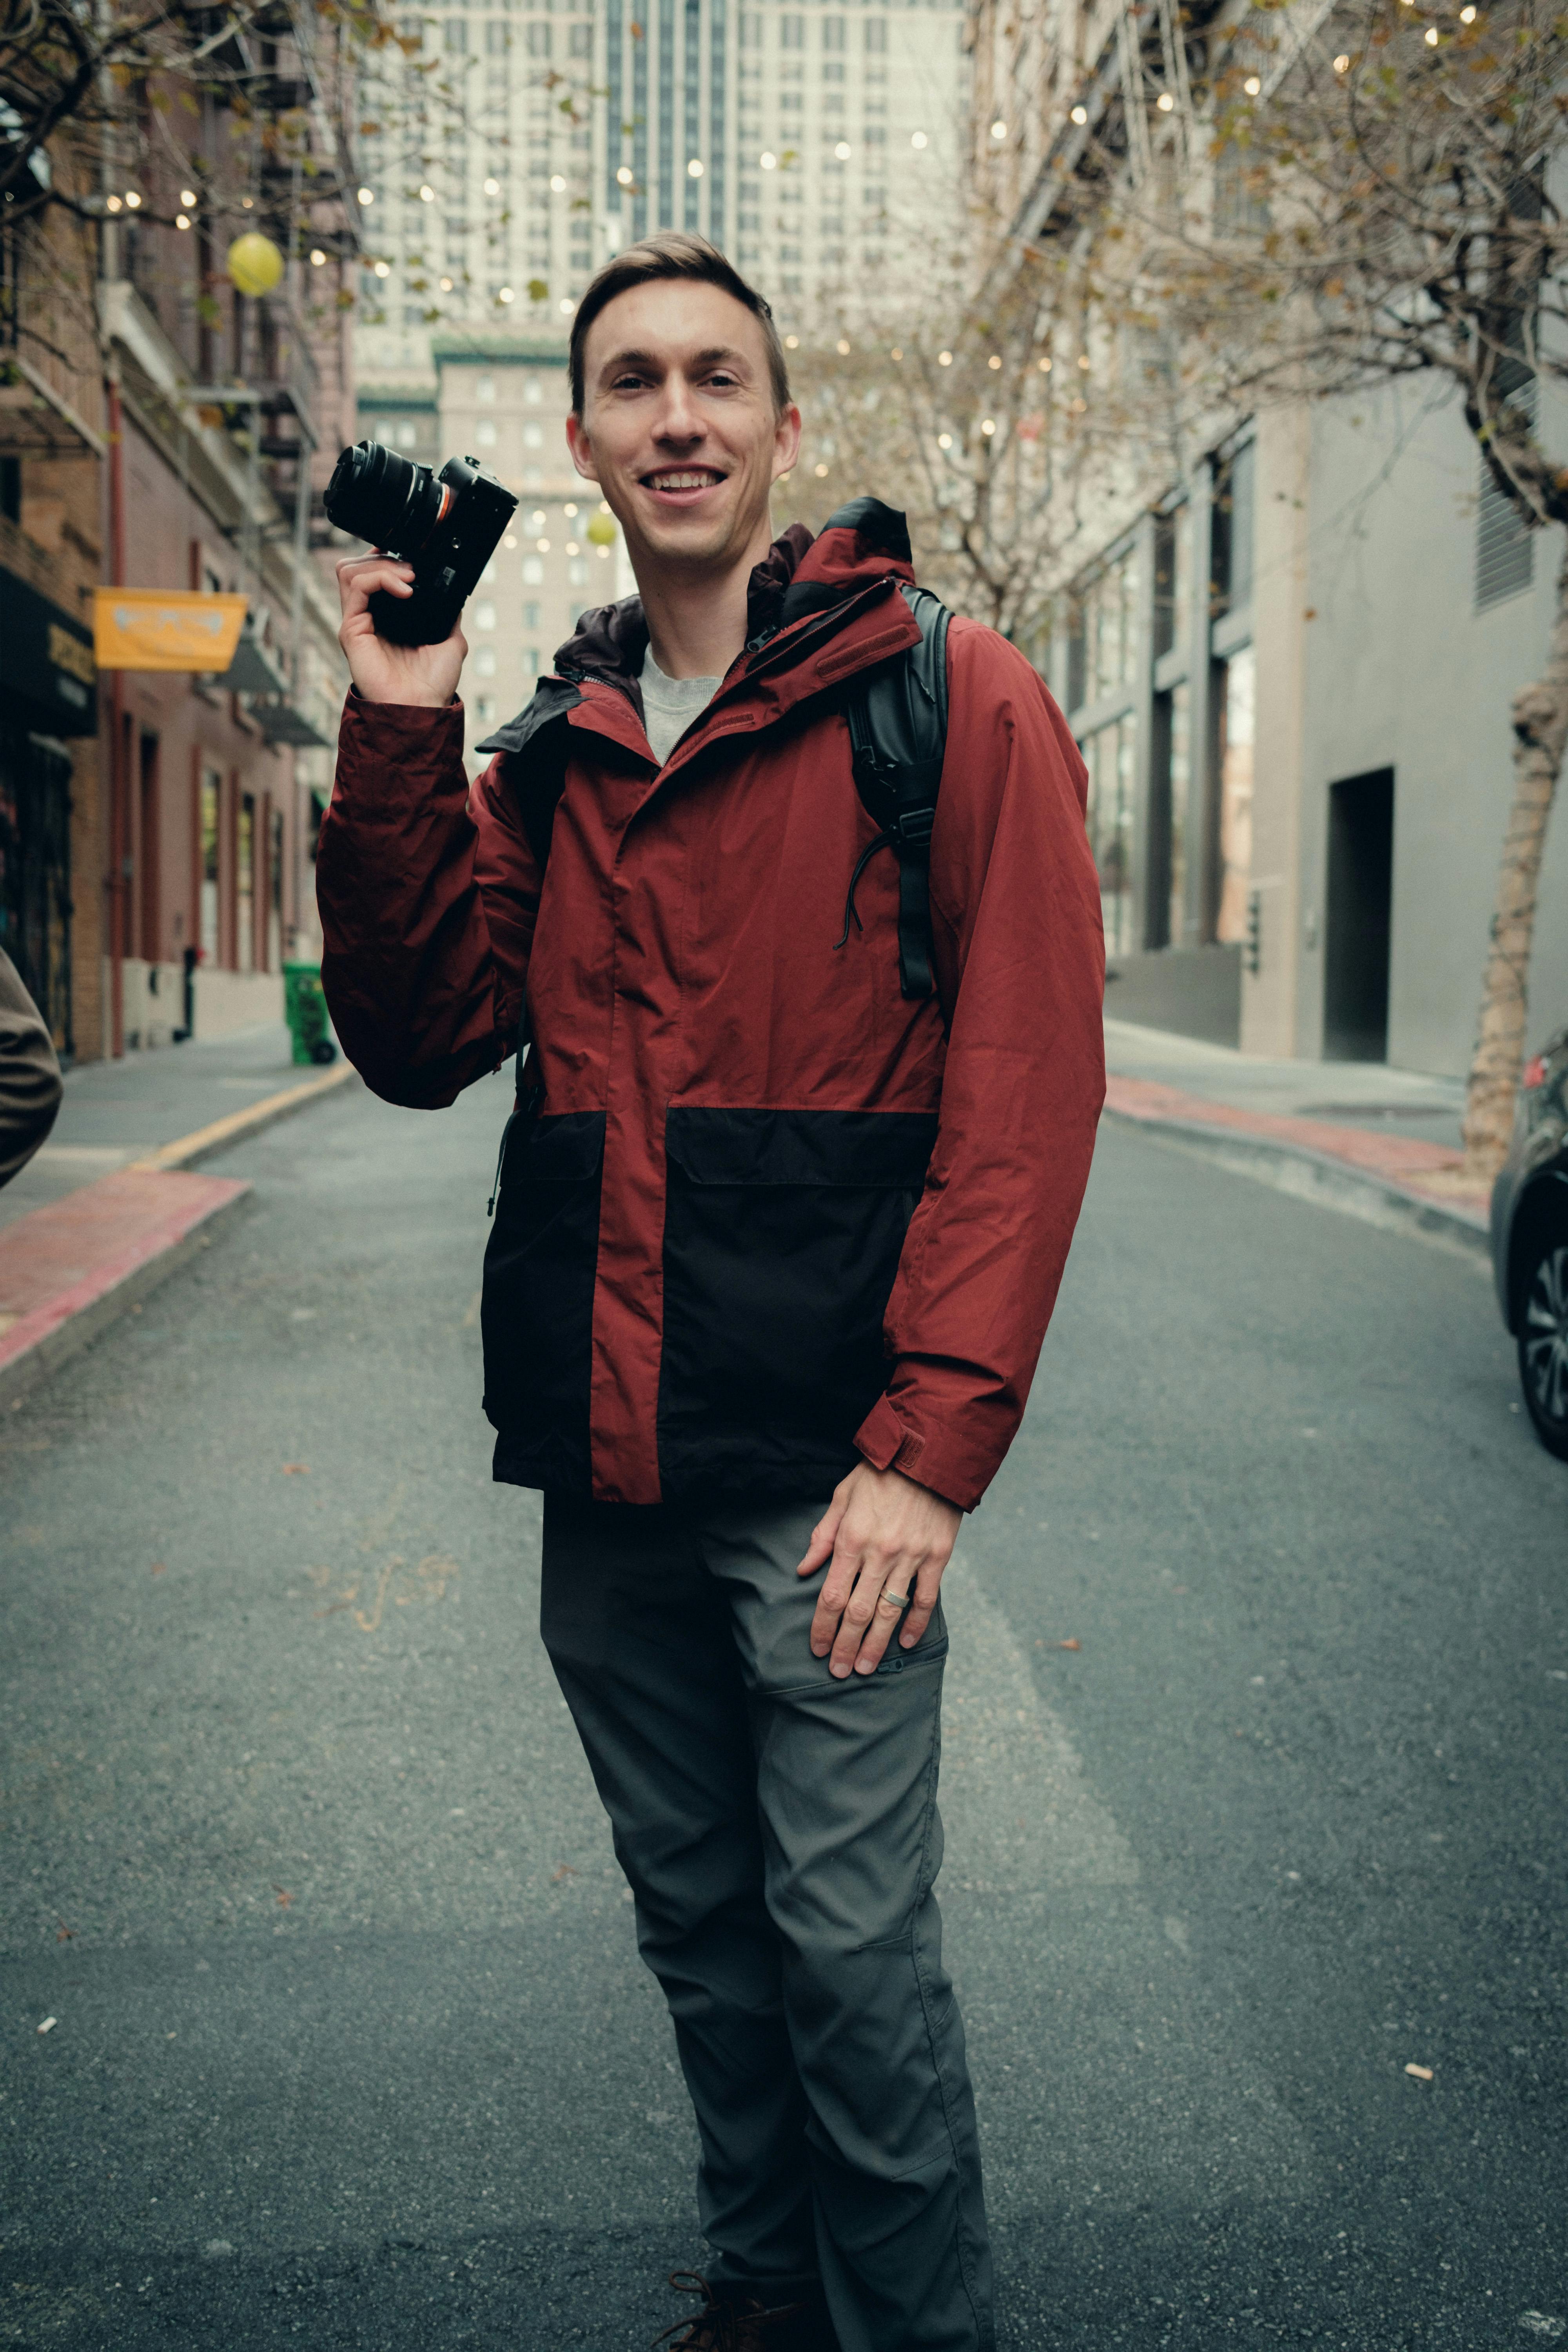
820 146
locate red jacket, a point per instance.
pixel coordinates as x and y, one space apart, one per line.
758 1210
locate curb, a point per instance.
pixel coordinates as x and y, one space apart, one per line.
1319 1176
186 1150
77 1316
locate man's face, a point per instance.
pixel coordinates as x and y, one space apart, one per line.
678 426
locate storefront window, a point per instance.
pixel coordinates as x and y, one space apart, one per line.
1107 754
1172 580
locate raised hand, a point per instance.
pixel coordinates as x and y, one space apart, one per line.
424 676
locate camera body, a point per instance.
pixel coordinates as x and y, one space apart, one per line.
446 525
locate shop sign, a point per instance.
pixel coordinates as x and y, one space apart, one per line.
45 661
165 628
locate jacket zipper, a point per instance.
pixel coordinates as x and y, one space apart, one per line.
523 1106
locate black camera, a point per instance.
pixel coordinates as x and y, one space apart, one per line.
446 525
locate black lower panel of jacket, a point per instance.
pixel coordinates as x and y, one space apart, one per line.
537 1311
782 1239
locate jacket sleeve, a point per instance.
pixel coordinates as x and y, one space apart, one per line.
30 1085
428 891
1020 957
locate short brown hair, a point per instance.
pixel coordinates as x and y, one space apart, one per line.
673 253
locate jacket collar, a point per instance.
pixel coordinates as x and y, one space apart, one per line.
801 580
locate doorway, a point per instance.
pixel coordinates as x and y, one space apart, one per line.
1360 903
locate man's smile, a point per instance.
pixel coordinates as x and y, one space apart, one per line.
682 481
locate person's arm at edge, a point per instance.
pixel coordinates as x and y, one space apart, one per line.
30 1084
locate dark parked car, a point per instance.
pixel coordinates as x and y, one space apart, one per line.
1530 1241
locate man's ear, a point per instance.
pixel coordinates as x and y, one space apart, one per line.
786 441
582 447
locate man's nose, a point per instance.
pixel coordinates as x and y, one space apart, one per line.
678 417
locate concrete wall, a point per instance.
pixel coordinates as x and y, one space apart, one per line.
1401 671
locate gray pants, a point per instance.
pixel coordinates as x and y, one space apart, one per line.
781 1836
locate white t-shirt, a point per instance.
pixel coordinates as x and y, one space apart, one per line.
670 704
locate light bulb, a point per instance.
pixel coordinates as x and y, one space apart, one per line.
318 258
427 194
511 539
492 186
564 306
536 519
944 359
998 131
557 183
1044 365
624 176
112 205
917 139
1080 114
507 294
543 545
821 472
1252 86
1466 15
572 548
570 512
1083 359
843 346
188 198
1342 64
995 361
1165 101
988 424
945 440
132 199
694 169
384 269
843 150
446 285
182 220
366 196
792 342
1431 36
769 163
896 353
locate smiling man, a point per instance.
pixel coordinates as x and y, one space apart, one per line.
781 1220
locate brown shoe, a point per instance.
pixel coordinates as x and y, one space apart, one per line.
725 2323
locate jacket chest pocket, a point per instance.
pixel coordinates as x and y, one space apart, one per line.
782 1234
538 1304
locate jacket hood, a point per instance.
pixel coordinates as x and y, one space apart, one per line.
863 543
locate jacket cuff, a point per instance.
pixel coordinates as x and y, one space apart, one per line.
885 1443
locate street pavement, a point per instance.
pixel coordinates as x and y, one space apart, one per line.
352 2046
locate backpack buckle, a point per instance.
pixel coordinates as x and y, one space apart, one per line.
913 827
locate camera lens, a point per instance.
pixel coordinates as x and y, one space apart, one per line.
387 501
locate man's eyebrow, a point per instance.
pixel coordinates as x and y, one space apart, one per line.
721 355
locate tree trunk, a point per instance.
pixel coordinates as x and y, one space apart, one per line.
1541 728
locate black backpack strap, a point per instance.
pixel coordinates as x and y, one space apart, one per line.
898 735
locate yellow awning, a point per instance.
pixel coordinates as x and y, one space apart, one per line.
165 628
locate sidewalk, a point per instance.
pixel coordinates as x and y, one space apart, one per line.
1380 1142
108 1208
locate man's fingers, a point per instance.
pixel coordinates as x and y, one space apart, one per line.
359 577
888 1614
919 1615
823 1534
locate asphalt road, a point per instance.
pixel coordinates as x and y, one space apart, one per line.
352 2045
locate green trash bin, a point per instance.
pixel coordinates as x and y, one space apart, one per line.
305 1010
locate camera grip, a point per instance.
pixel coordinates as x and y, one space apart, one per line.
427 617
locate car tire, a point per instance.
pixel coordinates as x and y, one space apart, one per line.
1543 1336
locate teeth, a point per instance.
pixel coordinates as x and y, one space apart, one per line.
683 482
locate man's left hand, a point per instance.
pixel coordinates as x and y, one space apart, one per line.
886 1537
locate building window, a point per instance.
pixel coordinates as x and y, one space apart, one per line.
1237 719
1505 546
485 433
875 37
1170 785
1231 557
485 388
245 883
577 572
531 661
211 794
533 391
485 662
485 616
1172 580
1108 755
533 571
530 615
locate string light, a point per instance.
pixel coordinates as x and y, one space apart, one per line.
507 294
944 359
896 353
919 138
557 183
998 131
384 269
318 258
1165 101
1466 15
133 200
492 187
843 346
570 512
511 539
843 150
1083 359
366 196
1342 64
821 472
995 361
536 519
1080 114
564 306
694 169
988 426
572 548
792 342
624 177
945 440
1044 365
769 162
543 545
1431 36
112 205
188 198
446 285
427 194
182 220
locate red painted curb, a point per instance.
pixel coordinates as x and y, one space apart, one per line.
60 1261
